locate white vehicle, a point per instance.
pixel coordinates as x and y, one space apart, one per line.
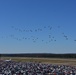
8 60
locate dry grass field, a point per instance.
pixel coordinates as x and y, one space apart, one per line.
43 60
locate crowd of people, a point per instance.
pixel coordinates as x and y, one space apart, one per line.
35 68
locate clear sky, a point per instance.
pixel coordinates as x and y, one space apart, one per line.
37 26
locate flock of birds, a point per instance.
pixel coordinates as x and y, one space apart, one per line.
38 31
35 34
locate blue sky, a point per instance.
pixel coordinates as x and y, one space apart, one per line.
37 26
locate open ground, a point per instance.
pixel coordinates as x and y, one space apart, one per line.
57 61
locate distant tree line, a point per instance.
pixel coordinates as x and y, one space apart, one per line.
43 55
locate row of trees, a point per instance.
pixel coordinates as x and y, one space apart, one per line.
46 55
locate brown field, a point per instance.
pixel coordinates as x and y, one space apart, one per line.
43 60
